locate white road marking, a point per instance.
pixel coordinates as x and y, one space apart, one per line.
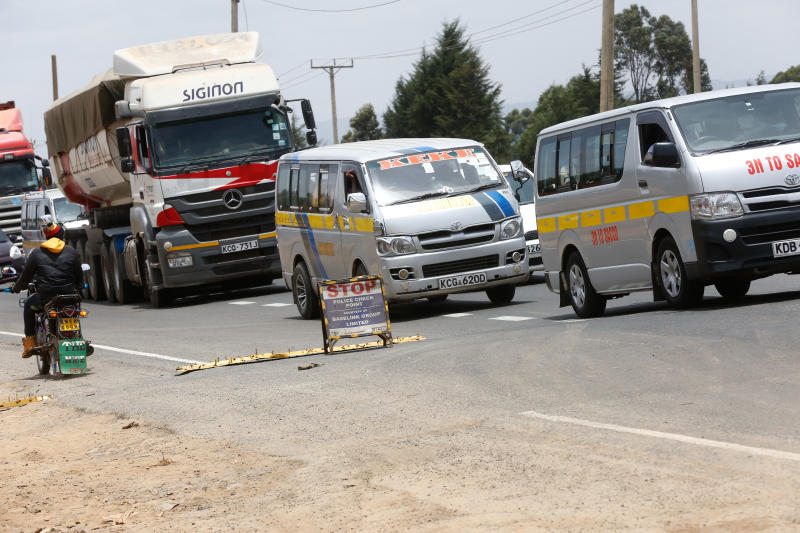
572 320
697 441
457 315
242 302
276 304
509 318
129 352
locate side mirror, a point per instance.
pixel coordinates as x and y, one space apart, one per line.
15 252
124 142
308 115
45 162
47 178
85 267
311 138
519 172
356 202
127 165
665 155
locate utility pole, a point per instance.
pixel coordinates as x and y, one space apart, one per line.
695 49
234 16
607 58
332 69
54 71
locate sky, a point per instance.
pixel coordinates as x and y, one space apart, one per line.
738 39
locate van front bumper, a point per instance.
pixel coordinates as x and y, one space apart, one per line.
427 269
750 253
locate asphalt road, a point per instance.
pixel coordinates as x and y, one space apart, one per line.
716 385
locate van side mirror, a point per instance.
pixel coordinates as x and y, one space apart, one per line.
665 154
356 202
519 172
127 165
308 115
124 142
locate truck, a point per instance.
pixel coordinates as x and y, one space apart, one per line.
18 169
173 154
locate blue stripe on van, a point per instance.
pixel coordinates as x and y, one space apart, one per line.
502 201
489 206
312 244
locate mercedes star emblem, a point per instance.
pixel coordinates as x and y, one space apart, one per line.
232 199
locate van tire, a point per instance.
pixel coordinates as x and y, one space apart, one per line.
733 288
303 292
437 299
107 271
360 270
675 285
584 299
501 295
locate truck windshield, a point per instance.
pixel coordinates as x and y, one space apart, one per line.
741 121
17 177
66 211
228 136
408 178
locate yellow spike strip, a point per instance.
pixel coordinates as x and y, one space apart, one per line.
24 401
297 353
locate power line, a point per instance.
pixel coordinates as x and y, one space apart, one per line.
295 84
330 10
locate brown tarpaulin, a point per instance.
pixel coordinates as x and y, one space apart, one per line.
78 116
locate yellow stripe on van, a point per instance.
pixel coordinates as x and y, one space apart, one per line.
316 221
363 224
568 221
591 218
546 225
641 210
614 214
285 219
677 204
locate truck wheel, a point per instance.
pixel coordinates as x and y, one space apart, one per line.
501 295
675 285
123 288
160 297
732 289
94 278
584 299
81 249
304 296
107 271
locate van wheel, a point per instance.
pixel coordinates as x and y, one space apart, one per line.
361 270
437 299
732 289
584 299
501 295
304 296
675 285
107 271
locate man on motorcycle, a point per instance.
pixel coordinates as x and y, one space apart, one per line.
58 271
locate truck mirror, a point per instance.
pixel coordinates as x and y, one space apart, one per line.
47 178
665 154
127 165
308 115
311 138
45 163
124 142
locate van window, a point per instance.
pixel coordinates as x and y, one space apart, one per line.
307 186
546 171
586 155
620 142
294 183
283 187
564 183
327 186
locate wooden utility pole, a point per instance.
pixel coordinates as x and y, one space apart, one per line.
54 71
234 16
607 58
332 69
695 50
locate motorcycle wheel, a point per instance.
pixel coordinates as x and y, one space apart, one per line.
43 357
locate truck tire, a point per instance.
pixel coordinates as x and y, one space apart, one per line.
94 277
159 298
304 296
107 271
80 247
123 289
675 285
584 299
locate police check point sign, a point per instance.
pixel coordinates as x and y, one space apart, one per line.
354 307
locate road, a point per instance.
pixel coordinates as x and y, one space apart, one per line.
682 418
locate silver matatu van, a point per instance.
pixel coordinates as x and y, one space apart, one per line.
671 196
431 216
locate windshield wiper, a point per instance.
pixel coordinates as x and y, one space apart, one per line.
14 190
420 197
790 140
746 144
258 151
481 188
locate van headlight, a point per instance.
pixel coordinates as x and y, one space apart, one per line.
388 246
715 206
179 260
510 228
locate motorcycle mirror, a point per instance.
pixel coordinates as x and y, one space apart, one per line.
85 267
15 252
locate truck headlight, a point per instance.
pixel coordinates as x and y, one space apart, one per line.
179 260
715 206
510 228
388 246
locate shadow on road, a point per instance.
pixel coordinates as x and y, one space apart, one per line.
420 309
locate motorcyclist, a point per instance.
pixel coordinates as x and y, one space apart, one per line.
58 271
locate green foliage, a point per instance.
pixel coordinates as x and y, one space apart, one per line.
298 133
790 74
449 94
364 126
517 122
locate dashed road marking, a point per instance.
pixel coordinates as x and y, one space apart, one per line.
457 315
242 302
572 320
276 304
510 318
697 441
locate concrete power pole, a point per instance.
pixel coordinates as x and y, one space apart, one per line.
695 50
54 71
234 16
607 58
332 69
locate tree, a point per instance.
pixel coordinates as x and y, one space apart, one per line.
364 126
517 122
790 74
449 94
298 133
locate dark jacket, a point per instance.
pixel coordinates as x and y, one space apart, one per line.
56 266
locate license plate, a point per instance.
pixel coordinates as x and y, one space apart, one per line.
462 281
69 324
238 246
534 249
784 248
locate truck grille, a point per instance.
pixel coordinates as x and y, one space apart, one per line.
464 265
438 240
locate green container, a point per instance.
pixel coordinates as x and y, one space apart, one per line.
72 356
